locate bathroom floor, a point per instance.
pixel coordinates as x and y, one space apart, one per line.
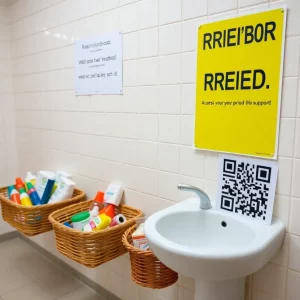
26 274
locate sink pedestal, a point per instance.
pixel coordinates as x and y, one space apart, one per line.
233 289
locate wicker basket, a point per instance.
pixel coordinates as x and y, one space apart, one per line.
146 269
32 220
91 249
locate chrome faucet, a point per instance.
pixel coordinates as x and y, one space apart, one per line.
204 199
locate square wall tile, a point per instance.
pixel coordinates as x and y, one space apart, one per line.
130 77
169 99
167 186
244 3
270 280
148 42
170 39
282 209
170 69
296 179
189 66
211 166
282 257
293 285
169 293
193 8
187 282
148 13
129 17
294 261
147 294
192 162
130 45
169 129
185 294
187 130
293 27
294 216
286 137
297 141
216 6
289 97
169 11
190 34
257 295
188 99
148 99
148 71
284 176
169 158
291 56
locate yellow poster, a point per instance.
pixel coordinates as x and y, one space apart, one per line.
239 73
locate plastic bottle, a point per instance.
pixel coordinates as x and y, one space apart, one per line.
25 200
10 189
34 196
94 212
19 183
98 223
98 201
44 185
80 219
108 210
15 196
30 177
65 189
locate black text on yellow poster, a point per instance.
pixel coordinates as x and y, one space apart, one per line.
239 84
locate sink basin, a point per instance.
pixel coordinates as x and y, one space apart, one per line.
218 250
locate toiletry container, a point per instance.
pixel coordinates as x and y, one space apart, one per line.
44 185
119 219
80 220
98 223
113 194
15 196
19 184
25 200
64 190
34 196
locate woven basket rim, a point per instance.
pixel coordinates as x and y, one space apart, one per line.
131 248
81 193
92 233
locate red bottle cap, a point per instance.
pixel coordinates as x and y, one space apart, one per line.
19 183
109 210
99 197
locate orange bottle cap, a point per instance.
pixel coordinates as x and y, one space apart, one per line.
99 197
109 210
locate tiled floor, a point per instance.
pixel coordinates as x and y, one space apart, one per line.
26 274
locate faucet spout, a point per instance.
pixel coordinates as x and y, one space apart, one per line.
204 199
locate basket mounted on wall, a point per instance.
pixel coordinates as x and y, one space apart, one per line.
146 269
91 249
33 220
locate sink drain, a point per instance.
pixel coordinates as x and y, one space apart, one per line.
224 224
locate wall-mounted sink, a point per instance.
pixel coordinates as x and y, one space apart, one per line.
218 250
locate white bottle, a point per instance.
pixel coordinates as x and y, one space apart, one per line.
94 212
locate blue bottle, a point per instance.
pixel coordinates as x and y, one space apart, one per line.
34 196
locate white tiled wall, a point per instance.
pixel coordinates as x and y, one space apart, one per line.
141 139
7 133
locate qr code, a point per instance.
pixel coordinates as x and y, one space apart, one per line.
246 187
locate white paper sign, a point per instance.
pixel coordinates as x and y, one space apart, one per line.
98 65
247 187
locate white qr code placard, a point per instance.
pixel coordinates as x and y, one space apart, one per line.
247 187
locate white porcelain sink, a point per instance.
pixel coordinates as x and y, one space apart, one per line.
218 250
